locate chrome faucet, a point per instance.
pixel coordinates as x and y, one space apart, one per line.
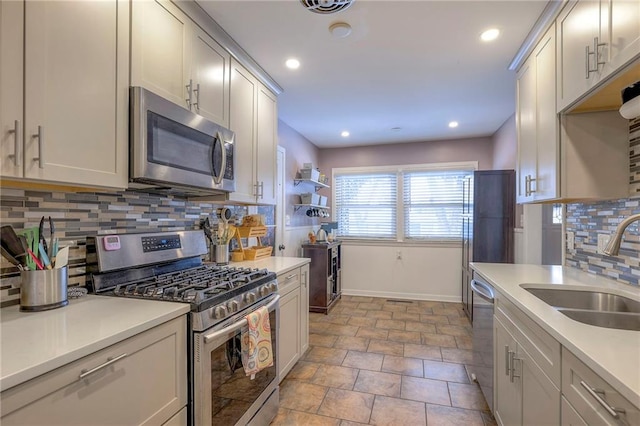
613 248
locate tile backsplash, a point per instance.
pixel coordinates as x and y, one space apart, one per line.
77 215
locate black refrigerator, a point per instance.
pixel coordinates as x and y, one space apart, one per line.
488 220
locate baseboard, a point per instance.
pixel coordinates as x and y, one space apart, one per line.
408 296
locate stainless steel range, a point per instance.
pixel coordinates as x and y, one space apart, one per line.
168 266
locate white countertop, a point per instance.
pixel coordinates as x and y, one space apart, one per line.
37 342
611 353
279 265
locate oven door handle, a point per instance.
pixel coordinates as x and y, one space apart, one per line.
237 325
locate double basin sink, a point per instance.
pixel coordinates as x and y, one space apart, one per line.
592 307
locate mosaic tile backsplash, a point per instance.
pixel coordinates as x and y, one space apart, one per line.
78 215
589 220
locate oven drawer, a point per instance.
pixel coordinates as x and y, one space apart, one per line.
141 380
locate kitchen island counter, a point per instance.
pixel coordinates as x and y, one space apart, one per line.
34 343
279 265
611 353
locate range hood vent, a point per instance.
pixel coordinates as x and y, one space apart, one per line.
326 6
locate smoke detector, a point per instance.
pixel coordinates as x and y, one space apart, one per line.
326 6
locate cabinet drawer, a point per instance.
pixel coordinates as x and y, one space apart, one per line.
288 281
576 376
145 383
542 347
569 415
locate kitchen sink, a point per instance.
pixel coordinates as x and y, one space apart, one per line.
589 300
593 307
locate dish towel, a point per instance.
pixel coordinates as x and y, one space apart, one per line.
257 353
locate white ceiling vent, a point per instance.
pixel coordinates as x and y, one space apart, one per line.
326 6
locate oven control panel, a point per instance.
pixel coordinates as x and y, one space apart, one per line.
157 243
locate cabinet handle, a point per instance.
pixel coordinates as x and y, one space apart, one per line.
507 360
287 278
16 143
196 104
260 187
527 187
512 361
40 157
613 411
85 373
596 46
189 93
587 68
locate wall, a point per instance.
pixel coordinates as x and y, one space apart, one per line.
505 145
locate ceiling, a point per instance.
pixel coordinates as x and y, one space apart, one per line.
407 69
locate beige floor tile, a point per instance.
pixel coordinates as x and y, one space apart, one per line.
420 326
350 304
419 310
355 312
318 328
464 342
460 356
352 343
296 418
406 316
402 365
333 318
422 352
435 319
425 390
325 340
348 423
453 330
372 333
448 309
359 299
335 376
430 304
370 306
380 314
378 383
390 324
303 370
386 347
394 412
442 340
404 336
363 360
394 307
438 415
347 405
488 418
456 320
362 321
467 396
445 371
301 396
325 355
341 330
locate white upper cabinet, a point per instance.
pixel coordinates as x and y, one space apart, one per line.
174 58
254 119
74 127
596 38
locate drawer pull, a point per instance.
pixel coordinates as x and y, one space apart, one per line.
85 373
595 393
507 360
287 278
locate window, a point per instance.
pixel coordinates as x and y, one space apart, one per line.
413 203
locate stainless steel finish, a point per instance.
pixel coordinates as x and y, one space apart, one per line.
288 277
617 320
110 361
190 93
482 339
512 363
596 46
131 253
162 176
483 290
613 248
208 338
42 290
587 68
528 191
218 179
16 143
40 157
507 360
589 300
268 411
595 393
261 186
196 104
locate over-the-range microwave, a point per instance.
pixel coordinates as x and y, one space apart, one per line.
175 151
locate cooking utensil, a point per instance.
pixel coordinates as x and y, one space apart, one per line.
35 259
42 240
32 237
43 256
62 258
10 258
51 238
10 242
205 225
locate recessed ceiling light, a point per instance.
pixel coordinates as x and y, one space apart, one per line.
292 63
490 34
345 134
340 29
453 124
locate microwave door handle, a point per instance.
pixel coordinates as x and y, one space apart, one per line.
218 139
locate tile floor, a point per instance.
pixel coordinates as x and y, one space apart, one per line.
385 362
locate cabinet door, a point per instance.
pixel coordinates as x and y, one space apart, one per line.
546 184
577 27
526 130
266 143
76 92
210 74
160 49
569 416
304 309
242 120
537 391
624 33
11 83
289 337
507 395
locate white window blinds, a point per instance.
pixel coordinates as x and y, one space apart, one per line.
433 204
366 205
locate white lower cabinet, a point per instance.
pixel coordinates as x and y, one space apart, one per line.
139 381
294 318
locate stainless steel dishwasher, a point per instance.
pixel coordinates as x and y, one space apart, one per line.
482 339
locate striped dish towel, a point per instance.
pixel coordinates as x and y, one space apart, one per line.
257 353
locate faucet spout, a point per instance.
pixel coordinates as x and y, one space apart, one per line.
613 248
